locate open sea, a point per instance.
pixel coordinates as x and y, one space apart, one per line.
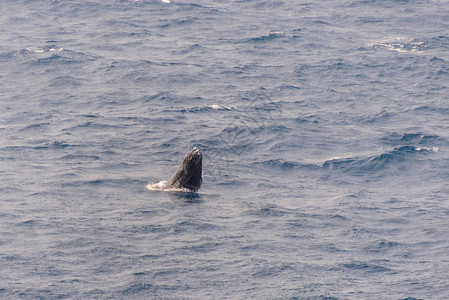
324 128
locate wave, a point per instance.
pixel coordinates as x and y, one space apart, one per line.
242 135
269 210
279 164
104 182
213 107
366 267
412 139
53 54
189 49
180 22
263 38
286 165
78 157
376 118
48 49
137 287
67 81
376 162
402 44
161 1
169 97
431 109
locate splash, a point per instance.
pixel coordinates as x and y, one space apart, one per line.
160 186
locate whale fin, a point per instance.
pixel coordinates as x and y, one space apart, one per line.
189 173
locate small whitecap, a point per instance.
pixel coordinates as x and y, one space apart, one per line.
400 44
219 107
432 149
42 50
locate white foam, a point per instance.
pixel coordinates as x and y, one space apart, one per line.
158 186
42 50
219 107
432 149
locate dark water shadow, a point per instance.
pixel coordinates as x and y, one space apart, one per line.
184 198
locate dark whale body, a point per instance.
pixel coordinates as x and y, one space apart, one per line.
188 174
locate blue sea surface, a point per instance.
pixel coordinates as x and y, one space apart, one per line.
324 128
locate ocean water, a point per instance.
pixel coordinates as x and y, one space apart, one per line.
323 127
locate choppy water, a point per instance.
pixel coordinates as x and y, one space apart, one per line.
323 127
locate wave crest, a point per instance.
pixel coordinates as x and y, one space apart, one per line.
377 162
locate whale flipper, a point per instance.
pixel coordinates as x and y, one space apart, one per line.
188 174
